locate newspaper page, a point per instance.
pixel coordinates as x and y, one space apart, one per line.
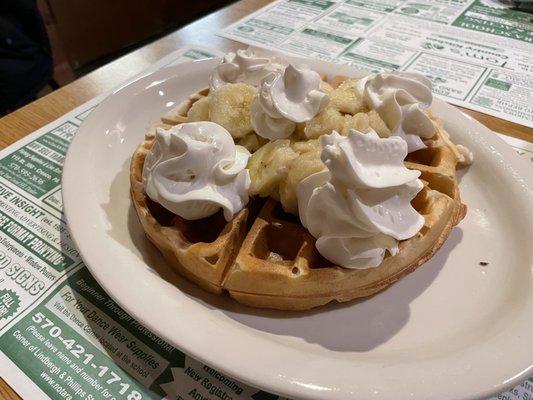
477 53
61 336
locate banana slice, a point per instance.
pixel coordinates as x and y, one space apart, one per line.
307 164
359 122
252 142
326 87
306 145
378 124
199 110
230 107
323 123
346 99
268 166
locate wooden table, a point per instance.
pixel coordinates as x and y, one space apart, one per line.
37 114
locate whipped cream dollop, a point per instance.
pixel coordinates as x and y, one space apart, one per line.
285 99
360 206
194 169
400 99
243 66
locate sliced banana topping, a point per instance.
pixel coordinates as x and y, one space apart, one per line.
199 110
269 166
306 164
324 123
347 99
230 106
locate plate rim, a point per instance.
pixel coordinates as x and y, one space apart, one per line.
70 194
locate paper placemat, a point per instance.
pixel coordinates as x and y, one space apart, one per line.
61 335
477 53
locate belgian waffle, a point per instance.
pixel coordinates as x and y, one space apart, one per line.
265 258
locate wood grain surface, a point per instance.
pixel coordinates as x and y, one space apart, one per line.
203 32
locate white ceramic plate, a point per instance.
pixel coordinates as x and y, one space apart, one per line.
454 329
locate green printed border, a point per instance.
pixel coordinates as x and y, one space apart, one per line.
397 12
26 148
384 10
361 40
69 121
263 25
373 24
476 84
116 312
36 140
67 261
37 188
192 54
16 189
27 362
11 188
323 5
476 7
49 291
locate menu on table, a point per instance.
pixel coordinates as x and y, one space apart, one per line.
61 335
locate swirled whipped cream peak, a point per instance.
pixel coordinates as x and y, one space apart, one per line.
400 99
194 169
243 66
366 161
360 206
285 99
